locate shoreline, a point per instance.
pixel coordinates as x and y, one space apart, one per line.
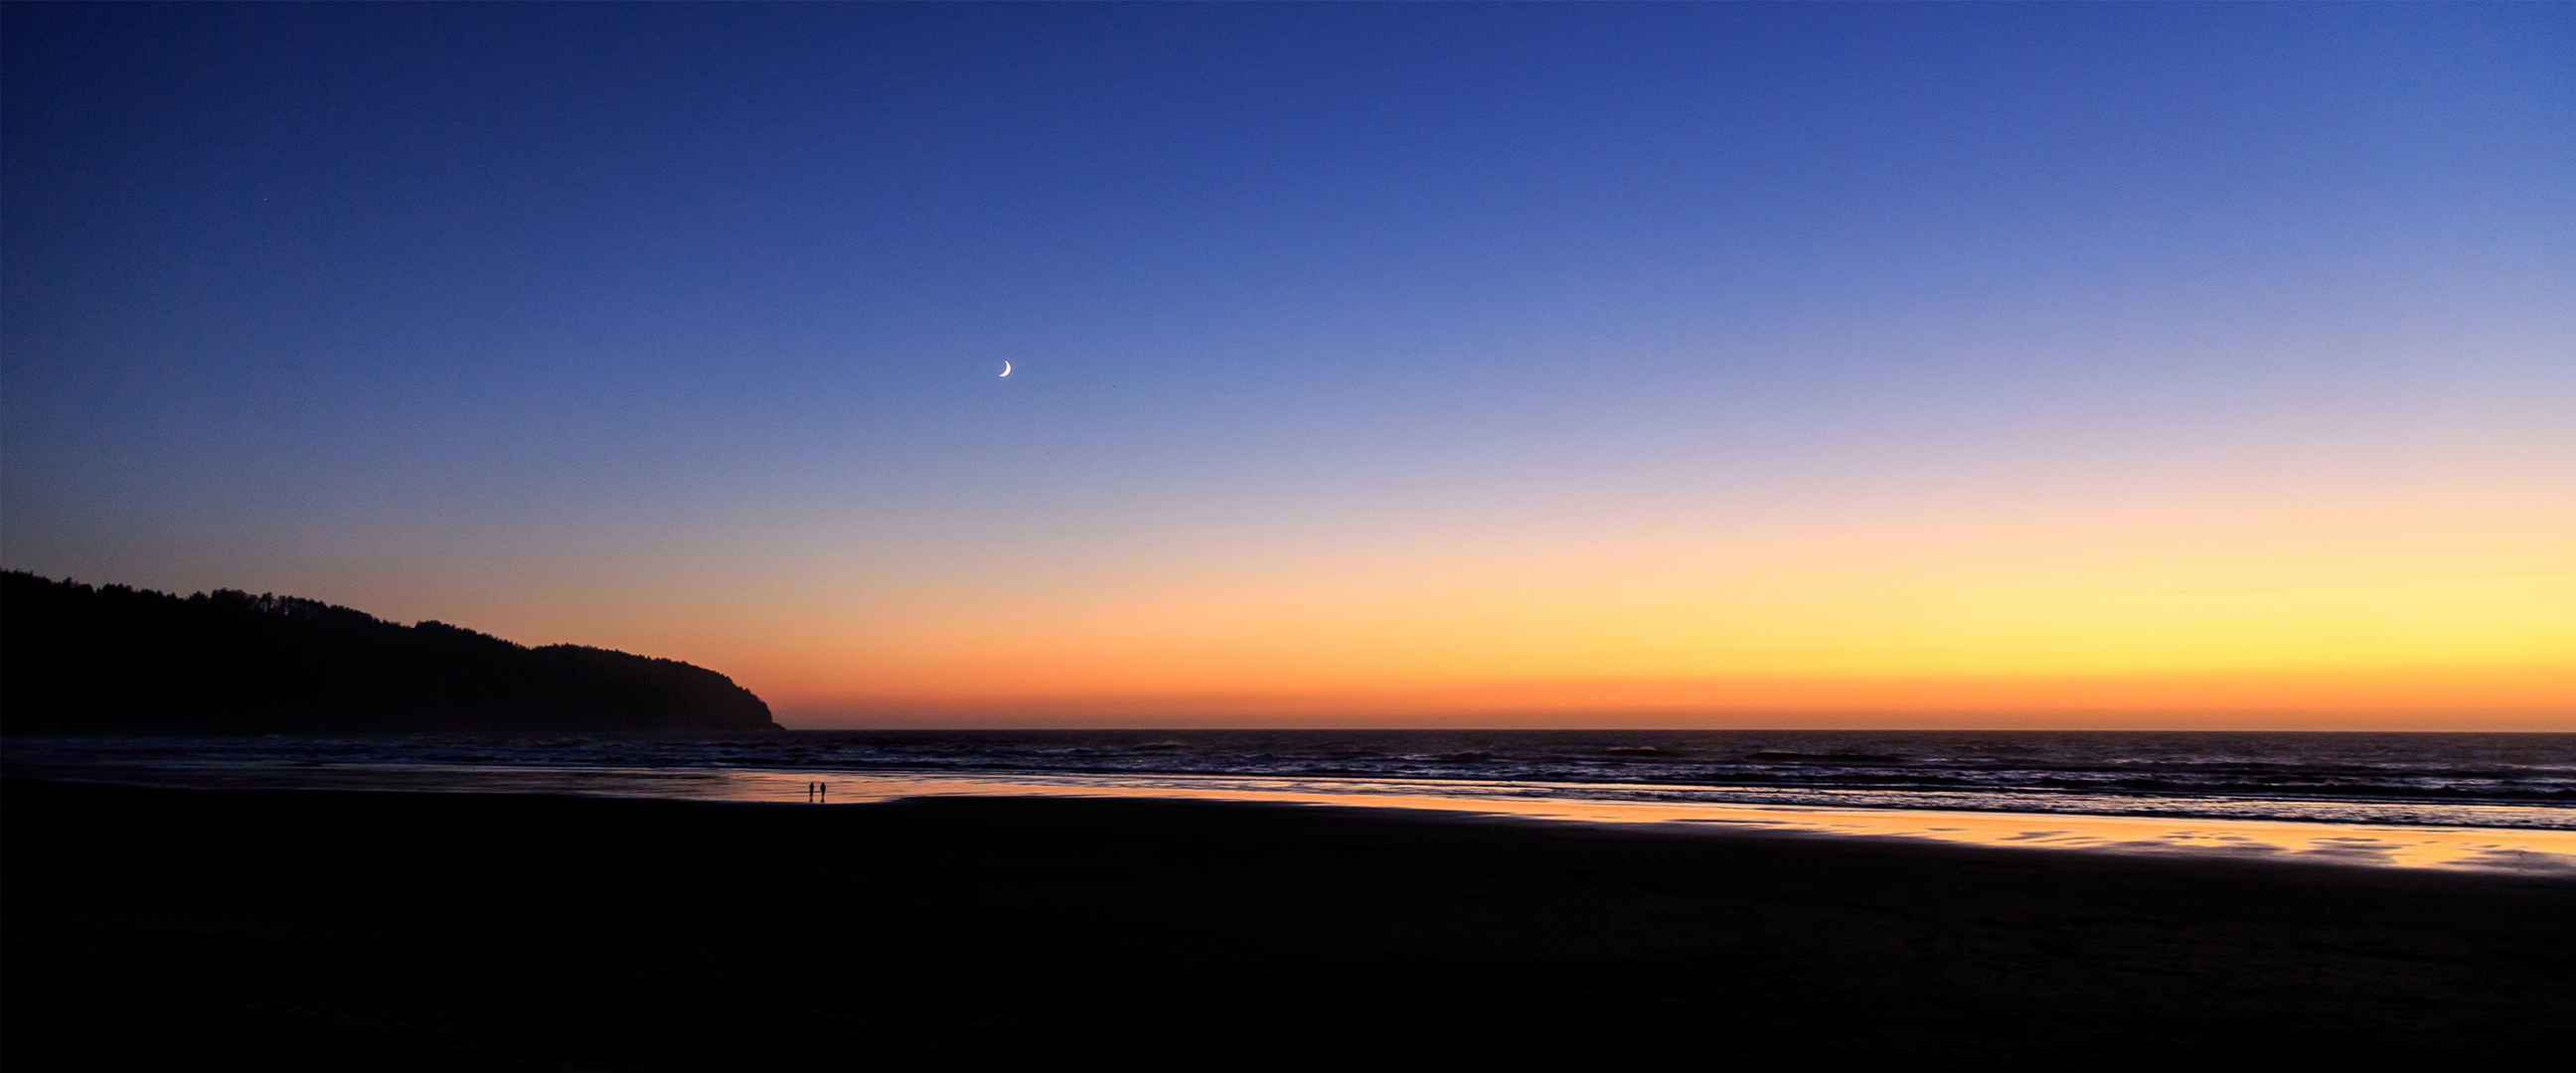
2528 848
319 928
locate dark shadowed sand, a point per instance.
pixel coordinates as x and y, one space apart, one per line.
362 930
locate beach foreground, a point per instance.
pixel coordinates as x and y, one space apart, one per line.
318 928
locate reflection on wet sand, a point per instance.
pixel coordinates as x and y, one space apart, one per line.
2542 852
2543 844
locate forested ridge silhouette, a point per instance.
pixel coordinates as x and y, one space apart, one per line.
78 658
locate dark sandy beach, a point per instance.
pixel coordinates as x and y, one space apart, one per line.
314 928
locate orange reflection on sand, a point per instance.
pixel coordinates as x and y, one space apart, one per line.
2522 850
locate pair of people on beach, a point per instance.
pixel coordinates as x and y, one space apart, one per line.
816 791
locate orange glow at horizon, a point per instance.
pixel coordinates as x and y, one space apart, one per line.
2357 618
2401 607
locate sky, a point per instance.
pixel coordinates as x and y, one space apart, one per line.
1533 365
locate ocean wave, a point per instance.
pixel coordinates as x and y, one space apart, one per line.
2299 773
1776 756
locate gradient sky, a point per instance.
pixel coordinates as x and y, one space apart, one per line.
2030 365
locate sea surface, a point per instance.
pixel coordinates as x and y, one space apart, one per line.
2455 800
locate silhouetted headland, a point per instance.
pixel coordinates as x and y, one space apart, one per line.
77 658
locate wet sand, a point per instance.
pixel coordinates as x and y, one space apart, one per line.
315 928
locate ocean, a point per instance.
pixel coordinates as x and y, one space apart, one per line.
2499 780
2485 800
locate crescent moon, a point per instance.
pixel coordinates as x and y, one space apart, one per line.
1006 368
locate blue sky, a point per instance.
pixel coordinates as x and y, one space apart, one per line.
321 298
